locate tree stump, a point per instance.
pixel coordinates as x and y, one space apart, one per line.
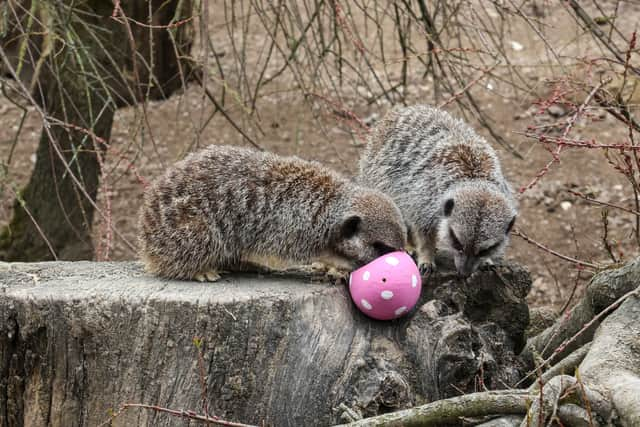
77 339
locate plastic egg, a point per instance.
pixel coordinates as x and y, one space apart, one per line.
386 288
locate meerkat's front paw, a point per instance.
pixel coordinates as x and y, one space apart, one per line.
319 266
427 268
337 276
487 265
426 264
333 274
208 276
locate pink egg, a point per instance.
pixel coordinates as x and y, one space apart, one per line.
386 288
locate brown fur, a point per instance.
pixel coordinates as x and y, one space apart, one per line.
464 161
223 206
446 180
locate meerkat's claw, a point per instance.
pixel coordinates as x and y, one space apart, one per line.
336 276
318 266
487 265
212 275
427 268
332 273
208 276
426 263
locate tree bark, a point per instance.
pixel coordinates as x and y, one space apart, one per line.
84 75
79 338
613 362
51 199
606 368
603 290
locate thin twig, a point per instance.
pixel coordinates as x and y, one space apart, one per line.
602 203
33 220
569 126
226 116
577 262
468 86
178 413
572 293
593 28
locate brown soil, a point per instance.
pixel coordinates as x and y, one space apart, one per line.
289 126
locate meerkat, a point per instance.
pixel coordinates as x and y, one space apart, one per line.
224 206
447 182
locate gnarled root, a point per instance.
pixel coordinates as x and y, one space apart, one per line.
562 387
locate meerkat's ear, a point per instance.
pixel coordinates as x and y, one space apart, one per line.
510 226
448 207
350 226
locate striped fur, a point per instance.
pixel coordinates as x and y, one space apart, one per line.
422 157
225 205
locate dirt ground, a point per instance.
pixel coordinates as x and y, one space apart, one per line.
291 126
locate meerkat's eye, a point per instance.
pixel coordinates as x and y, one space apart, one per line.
382 248
487 251
454 241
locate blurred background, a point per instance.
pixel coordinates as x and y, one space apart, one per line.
98 98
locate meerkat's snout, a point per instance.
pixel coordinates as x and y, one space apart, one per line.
465 265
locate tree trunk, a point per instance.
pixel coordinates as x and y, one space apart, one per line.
79 338
90 64
53 217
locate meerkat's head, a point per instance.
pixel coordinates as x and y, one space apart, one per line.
371 227
476 221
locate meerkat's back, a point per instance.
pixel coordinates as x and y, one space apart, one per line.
429 162
423 141
223 205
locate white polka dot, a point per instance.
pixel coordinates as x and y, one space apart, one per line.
366 275
414 281
400 310
366 304
391 260
386 294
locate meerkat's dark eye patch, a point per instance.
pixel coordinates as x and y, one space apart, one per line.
448 207
487 251
454 241
350 226
382 248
